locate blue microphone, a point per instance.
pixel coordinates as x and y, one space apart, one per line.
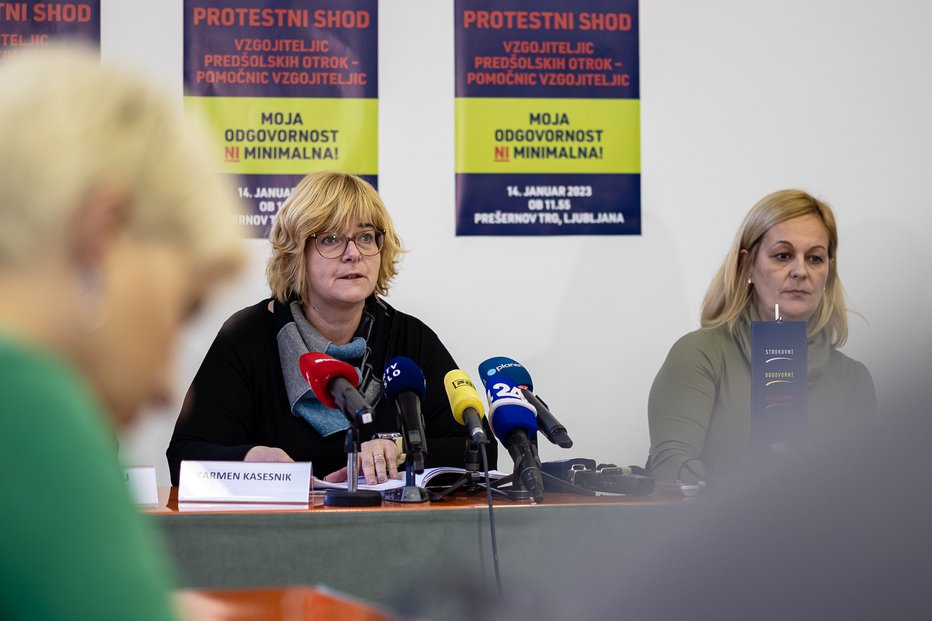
405 386
515 371
514 422
495 365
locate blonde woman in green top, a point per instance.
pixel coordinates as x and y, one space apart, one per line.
786 253
113 227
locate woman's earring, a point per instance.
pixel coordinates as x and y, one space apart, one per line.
750 282
92 308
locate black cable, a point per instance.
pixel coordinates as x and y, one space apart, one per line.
488 491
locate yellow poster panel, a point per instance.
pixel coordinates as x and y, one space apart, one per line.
291 135
497 135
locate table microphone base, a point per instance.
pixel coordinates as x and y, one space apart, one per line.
408 493
512 489
352 498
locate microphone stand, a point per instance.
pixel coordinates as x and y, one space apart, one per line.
412 433
471 479
512 486
352 496
517 491
410 492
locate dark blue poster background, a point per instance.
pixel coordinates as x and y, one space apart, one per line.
31 24
547 117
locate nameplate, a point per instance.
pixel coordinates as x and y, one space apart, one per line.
779 384
239 481
142 484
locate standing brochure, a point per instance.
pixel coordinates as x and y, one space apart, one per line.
779 385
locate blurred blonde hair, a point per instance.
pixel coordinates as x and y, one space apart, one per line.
326 202
729 293
70 125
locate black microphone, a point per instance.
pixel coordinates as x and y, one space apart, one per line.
513 421
512 369
547 422
406 387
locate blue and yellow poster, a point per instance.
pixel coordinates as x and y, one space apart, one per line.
28 25
547 117
288 87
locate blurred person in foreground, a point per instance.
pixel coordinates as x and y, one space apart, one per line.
786 253
838 532
113 228
334 253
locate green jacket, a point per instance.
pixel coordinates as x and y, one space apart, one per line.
699 404
72 544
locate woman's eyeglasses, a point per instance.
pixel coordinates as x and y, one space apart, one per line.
332 246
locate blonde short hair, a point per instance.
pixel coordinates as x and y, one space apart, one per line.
322 203
729 294
69 126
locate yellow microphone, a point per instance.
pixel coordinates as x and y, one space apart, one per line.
466 404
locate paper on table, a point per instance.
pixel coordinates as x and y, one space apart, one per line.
389 484
421 480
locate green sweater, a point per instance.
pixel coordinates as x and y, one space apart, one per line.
699 404
72 544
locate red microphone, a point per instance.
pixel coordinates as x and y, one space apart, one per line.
334 384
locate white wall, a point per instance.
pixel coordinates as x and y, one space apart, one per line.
739 98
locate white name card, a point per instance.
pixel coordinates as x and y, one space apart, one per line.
142 484
240 481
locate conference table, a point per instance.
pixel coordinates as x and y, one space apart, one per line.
396 553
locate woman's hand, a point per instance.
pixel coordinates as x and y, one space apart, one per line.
378 462
266 453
